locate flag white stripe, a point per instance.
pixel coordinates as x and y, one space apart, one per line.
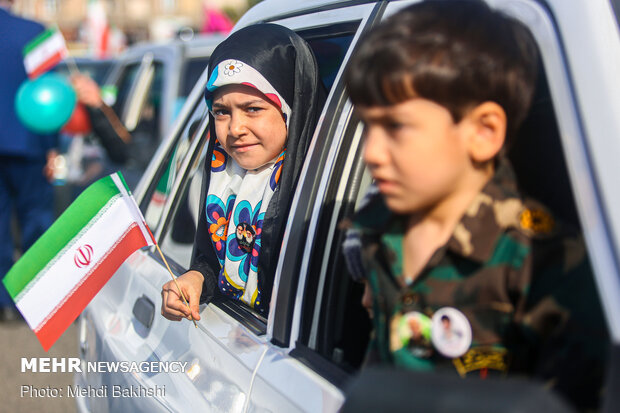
92 268
133 207
44 51
70 245
64 274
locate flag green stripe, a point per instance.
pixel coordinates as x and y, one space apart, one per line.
122 178
38 40
66 227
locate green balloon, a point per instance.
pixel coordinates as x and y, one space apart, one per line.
45 104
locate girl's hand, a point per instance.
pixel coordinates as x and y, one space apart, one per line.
172 305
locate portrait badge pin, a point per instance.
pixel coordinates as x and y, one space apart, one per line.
412 331
450 332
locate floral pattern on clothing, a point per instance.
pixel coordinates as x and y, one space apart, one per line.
218 216
228 287
231 67
249 261
277 171
219 158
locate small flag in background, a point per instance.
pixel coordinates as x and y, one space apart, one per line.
58 276
44 52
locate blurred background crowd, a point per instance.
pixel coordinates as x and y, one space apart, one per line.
103 28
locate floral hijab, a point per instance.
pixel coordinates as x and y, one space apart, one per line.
244 211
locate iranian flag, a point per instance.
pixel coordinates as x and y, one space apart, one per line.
58 276
98 28
44 52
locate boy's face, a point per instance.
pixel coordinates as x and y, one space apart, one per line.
415 152
249 127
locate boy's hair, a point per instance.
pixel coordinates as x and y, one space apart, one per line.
458 54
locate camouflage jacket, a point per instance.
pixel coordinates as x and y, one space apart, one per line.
518 282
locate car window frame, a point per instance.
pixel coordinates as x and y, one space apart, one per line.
252 320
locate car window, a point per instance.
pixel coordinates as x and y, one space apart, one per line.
168 171
191 72
330 44
178 241
329 53
615 4
126 80
150 106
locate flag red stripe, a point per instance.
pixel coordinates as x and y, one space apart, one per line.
79 298
47 65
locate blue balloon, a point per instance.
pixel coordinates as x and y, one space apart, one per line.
46 103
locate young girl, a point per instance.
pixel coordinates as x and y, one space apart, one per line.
264 96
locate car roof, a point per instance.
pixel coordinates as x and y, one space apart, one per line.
264 11
198 42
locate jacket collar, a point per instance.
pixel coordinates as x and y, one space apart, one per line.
495 209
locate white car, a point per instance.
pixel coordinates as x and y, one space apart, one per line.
314 339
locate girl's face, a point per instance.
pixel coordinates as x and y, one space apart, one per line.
249 127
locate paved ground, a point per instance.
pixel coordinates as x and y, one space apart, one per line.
17 341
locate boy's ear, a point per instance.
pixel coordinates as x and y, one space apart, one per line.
488 131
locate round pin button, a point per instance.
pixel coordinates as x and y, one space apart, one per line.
451 332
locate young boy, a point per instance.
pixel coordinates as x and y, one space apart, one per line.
491 282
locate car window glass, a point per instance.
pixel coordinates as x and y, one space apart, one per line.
329 53
148 125
191 72
330 44
169 169
126 80
616 8
178 241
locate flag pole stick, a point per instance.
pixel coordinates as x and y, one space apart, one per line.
72 65
69 59
177 284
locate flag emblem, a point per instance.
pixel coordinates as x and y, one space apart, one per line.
83 256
